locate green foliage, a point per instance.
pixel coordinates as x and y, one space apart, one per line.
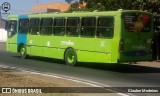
111 5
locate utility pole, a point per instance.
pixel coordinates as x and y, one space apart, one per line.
0 12
37 6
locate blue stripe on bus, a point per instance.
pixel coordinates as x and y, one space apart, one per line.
22 38
137 53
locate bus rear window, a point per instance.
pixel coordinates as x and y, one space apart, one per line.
135 22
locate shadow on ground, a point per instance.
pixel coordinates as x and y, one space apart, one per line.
123 68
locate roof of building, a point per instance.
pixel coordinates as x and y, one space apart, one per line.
57 6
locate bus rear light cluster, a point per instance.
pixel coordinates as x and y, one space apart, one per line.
121 46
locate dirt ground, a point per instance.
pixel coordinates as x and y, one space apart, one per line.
16 78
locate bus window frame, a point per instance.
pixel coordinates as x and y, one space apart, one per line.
62 27
51 26
68 34
82 27
106 27
37 26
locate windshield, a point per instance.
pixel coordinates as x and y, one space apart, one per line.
12 28
137 22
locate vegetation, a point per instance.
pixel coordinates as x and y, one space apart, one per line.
110 5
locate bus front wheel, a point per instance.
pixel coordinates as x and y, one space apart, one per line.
70 57
23 52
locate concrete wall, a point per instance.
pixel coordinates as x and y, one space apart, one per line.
2 23
3 35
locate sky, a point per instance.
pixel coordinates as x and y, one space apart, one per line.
24 6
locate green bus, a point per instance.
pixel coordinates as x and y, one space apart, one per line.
104 37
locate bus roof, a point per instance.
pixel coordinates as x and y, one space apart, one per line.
13 17
83 13
77 14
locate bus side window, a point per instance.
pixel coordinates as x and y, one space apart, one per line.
73 24
59 26
105 27
88 26
34 26
23 26
46 26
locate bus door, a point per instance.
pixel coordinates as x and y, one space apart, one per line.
12 35
136 36
23 30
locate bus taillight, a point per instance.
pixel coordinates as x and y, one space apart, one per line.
121 46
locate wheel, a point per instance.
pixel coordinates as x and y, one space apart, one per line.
70 57
23 52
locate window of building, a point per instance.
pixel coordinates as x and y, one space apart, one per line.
72 26
12 28
59 26
105 27
88 26
46 26
34 26
23 26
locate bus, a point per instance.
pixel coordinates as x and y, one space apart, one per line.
103 37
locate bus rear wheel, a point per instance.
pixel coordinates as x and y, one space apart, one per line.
23 52
70 57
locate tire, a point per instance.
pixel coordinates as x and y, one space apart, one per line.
70 57
23 52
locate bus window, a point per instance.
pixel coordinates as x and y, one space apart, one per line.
12 28
23 26
59 26
46 26
88 26
72 26
34 26
105 27
135 22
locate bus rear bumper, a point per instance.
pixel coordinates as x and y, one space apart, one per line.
124 59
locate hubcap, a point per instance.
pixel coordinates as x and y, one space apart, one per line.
70 57
23 51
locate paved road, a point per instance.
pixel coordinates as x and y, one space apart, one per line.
2 45
117 75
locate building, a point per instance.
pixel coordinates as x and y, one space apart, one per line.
54 7
2 23
3 32
51 7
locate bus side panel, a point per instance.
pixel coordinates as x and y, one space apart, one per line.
116 39
103 50
35 43
12 44
85 47
86 56
53 47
